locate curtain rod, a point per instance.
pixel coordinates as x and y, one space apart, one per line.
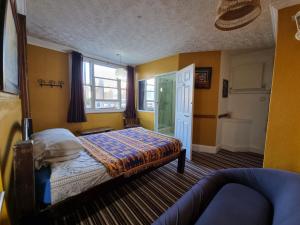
107 62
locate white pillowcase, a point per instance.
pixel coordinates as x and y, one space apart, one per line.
60 159
54 143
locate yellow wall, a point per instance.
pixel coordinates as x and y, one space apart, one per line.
206 101
149 70
49 106
283 134
10 133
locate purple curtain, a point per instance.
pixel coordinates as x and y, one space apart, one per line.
76 112
130 107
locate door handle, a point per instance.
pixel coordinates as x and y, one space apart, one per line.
186 115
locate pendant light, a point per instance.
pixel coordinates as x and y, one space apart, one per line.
234 14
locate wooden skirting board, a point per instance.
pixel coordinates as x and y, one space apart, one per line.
205 148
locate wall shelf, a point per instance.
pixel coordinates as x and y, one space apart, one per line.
250 91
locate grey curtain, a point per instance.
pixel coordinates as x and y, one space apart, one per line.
76 113
130 107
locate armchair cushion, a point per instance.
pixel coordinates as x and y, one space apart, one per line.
237 204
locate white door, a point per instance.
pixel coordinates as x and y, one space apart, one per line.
184 107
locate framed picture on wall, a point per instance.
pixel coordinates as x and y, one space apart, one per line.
203 77
9 74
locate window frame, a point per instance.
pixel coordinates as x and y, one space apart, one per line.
93 86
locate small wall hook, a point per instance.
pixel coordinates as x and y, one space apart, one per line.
50 83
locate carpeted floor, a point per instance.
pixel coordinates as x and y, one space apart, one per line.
143 200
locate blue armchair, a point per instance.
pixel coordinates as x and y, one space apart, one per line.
239 197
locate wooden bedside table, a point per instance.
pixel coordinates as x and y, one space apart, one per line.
95 131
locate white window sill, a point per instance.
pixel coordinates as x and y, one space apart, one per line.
146 111
93 111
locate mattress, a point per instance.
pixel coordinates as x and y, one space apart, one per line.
66 179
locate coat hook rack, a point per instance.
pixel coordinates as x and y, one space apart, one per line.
50 83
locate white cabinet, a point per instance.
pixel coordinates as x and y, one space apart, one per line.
248 76
235 134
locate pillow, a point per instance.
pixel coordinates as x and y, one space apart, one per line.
52 143
60 159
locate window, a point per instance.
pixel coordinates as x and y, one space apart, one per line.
104 87
147 95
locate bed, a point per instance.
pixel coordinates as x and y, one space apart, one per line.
53 190
66 179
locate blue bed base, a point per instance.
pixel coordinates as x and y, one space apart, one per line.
42 186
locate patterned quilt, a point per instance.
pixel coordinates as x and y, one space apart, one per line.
131 150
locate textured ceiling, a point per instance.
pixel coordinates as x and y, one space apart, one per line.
141 30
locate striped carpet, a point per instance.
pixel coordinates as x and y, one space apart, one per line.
143 200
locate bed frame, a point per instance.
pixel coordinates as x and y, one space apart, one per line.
24 180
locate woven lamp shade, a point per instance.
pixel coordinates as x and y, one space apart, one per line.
297 18
234 14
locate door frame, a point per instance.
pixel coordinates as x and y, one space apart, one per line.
156 108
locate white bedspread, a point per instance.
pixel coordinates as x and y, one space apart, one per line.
75 176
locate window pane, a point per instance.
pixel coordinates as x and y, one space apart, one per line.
150 88
123 94
146 95
99 82
87 97
110 93
99 92
86 73
107 105
104 71
150 106
150 96
151 82
123 84
121 74
106 83
123 104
